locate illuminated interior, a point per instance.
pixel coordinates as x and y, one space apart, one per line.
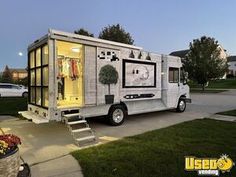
70 57
38 73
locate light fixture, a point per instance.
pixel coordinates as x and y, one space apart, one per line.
75 49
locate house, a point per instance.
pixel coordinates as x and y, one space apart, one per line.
17 73
182 54
232 65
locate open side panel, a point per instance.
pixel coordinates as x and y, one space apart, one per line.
69 74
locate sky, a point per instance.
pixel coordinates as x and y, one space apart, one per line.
160 26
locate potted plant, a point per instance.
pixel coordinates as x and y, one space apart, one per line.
107 76
9 155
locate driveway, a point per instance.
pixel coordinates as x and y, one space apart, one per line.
47 142
203 105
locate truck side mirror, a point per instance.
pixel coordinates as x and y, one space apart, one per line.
185 78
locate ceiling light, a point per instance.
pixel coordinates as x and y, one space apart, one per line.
75 49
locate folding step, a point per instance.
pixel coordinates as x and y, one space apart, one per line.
80 130
85 138
72 119
71 115
77 122
87 133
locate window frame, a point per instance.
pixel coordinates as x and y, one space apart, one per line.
34 68
174 69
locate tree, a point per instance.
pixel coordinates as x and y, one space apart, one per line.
116 33
108 75
203 62
83 32
23 81
6 75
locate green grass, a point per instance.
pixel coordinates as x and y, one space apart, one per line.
228 113
225 84
197 90
11 105
160 152
217 84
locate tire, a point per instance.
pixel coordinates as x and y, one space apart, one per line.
117 115
25 95
181 105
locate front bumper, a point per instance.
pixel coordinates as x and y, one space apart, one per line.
188 100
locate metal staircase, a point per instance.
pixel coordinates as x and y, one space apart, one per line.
79 129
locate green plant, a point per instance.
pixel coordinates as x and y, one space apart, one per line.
116 33
108 75
6 75
204 62
83 32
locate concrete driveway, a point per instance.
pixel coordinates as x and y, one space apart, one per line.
203 105
45 143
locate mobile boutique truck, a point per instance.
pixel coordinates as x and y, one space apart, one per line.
78 76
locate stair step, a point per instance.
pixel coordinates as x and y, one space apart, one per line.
86 138
76 122
80 130
72 115
72 119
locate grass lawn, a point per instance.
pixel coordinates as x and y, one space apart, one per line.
226 84
11 105
161 152
228 113
198 90
217 84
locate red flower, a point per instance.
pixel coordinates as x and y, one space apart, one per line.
11 140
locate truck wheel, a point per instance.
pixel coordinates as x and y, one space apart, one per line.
181 105
25 94
116 115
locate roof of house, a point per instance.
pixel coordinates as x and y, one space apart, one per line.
19 70
231 58
179 53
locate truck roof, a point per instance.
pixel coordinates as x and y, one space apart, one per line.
56 33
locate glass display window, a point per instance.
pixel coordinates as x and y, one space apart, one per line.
39 76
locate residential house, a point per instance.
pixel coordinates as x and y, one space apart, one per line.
232 65
182 54
18 73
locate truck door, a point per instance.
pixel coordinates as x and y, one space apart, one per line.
173 86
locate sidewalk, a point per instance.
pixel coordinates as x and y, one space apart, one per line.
223 117
45 147
65 166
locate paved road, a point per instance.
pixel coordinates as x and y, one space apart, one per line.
203 105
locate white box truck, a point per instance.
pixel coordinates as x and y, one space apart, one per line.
73 75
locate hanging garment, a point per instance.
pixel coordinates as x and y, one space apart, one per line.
74 69
66 68
60 68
